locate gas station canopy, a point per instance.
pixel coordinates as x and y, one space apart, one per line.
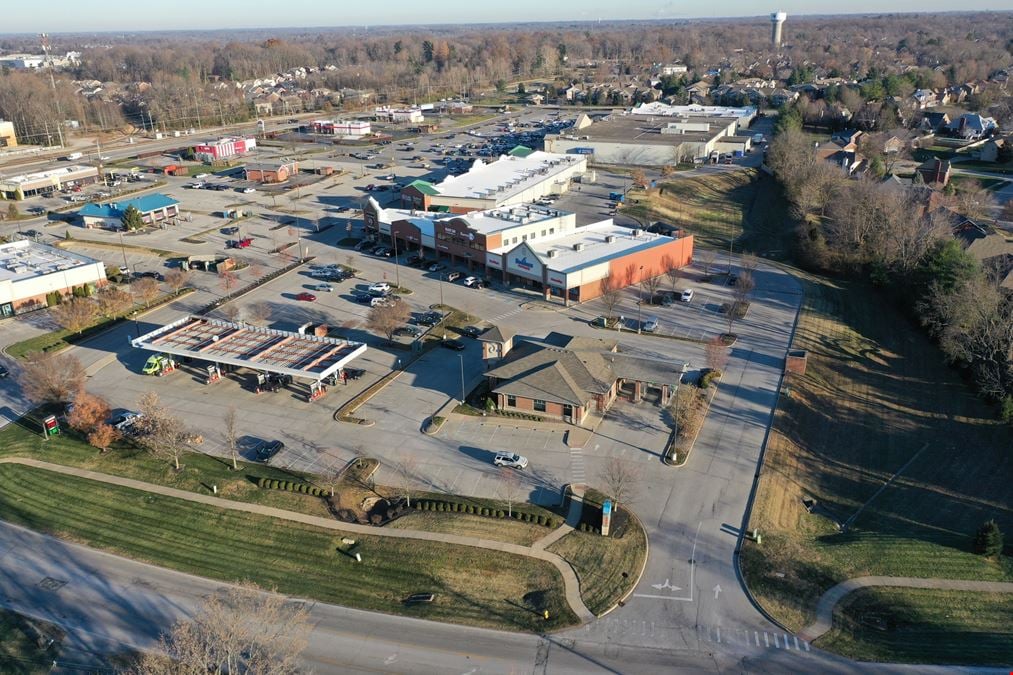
264 349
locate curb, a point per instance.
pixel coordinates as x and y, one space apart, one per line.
710 399
640 574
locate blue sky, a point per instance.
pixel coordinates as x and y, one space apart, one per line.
55 16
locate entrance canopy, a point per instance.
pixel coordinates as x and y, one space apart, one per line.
264 349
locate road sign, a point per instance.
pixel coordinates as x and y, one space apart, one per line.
51 426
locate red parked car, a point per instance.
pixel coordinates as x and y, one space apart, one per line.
306 297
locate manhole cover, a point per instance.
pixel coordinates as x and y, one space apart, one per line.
51 584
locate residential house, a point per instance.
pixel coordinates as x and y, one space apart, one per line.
935 172
934 122
991 148
988 246
971 126
924 98
781 96
699 91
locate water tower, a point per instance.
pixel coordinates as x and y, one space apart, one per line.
776 19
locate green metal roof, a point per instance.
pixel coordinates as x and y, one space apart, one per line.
424 187
520 151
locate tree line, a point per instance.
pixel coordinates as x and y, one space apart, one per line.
900 237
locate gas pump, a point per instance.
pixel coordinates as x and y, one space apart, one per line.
317 390
214 374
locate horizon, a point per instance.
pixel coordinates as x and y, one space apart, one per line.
455 13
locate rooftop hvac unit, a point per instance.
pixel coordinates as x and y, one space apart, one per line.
579 246
552 253
637 233
610 238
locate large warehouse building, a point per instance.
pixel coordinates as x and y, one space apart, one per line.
535 246
223 148
30 271
657 135
511 179
44 182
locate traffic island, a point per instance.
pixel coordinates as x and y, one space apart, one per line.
689 409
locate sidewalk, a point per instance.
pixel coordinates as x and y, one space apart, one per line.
828 601
570 582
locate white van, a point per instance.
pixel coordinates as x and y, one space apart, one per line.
73 156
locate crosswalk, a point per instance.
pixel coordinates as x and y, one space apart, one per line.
578 473
753 638
506 315
629 632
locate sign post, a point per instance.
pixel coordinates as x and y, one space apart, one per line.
606 517
50 426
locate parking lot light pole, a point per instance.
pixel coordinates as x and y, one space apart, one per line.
397 268
461 357
640 297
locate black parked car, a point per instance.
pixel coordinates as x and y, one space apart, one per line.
269 449
471 331
456 345
361 296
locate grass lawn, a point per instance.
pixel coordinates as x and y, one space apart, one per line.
473 587
876 393
600 563
923 626
58 339
20 653
985 167
744 206
496 529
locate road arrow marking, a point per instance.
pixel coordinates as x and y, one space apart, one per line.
665 585
390 659
717 591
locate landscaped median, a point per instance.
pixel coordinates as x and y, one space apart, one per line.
136 505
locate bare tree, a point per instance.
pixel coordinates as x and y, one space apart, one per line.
707 257
75 315
407 467
242 630
509 488
652 282
629 275
611 293
230 432
638 178
176 279
102 436
749 262
163 434
259 312
89 412
113 301
331 477
717 354
145 289
388 317
743 287
230 311
227 280
46 377
620 479
672 271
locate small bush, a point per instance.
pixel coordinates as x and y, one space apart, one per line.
376 519
274 483
540 519
419 506
485 511
501 514
550 522
261 481
708 378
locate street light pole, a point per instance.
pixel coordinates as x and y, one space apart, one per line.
461 357
397 268
123 248
640 297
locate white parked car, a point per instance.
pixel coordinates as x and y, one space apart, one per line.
379 287
687 295
510 459
327 288
248 190
470 281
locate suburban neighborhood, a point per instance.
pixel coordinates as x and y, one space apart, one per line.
632 345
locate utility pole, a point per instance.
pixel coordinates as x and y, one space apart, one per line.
44 40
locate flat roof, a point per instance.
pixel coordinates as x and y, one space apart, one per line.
25 259
239 344
592 240
62 173
507 217
506 176
637 129
659 109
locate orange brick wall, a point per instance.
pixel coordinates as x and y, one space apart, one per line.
680 250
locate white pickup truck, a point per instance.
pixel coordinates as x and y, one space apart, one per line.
73 156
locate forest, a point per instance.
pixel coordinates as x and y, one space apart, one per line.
175 79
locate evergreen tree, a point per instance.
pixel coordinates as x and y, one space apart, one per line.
131 219
988 540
